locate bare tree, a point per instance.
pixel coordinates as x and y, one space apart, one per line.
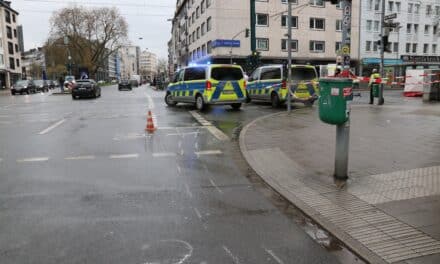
93 34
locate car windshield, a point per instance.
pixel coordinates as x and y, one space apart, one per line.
39 82
21 83
303 74
226 73
70 78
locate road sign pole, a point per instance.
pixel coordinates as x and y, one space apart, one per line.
253 27
289 56
343 130
382 53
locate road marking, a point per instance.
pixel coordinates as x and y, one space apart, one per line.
212 129
80 158
188 191
36 159
124 156
216 187
199 215
175 128
184 133
208 152
179 169
275 257
47 130
234 258
164 154
150 102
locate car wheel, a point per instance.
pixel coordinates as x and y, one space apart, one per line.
236 106
73 97
169 100
12 92
28 92
275 100
200 103
248 98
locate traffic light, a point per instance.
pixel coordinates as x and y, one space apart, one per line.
247 33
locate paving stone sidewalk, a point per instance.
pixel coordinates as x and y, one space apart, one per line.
389 212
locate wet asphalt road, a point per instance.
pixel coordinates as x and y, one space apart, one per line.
80 183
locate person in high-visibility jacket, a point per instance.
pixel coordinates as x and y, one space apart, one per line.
374 76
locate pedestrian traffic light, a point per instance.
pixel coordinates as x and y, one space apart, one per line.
247 32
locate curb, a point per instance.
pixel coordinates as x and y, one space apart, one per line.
354 245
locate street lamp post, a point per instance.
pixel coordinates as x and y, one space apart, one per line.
289 56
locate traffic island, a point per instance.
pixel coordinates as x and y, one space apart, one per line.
388 210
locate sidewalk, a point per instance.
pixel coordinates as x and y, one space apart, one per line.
389 211
4 92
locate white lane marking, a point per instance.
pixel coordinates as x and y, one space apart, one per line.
47 130
179 169
208 152
275 257
216 187
184 133
164 154
124 156
234 258
212 129
80 158
36 159
199 215
188 191
150 102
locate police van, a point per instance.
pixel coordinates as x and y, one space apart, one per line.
269 84
205 85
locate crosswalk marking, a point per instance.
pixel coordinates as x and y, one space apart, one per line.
208 152
36 159
124 156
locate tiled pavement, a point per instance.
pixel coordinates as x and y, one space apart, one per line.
389 211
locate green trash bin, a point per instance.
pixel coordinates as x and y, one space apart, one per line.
334 94
376 88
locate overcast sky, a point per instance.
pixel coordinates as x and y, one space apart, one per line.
147 19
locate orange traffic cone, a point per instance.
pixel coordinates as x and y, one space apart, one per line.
150 124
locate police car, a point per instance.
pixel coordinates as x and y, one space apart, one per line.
208 85
269 84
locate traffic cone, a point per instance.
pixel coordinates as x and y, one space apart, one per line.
150 124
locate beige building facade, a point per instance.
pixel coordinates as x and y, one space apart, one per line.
147 65
203 30
129 61
10 54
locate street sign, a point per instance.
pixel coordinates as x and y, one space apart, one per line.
390 16
345 50
392 24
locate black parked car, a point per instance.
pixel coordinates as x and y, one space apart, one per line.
41 85
51 84
125 85
23 86
86 88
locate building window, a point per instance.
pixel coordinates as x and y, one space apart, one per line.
427 28
203 28
318 3
398 7
16 48
408 28
429 10
193 17
338 46
390 6
396 47
203 50
198 32
198 12
416 8
368 45
376 26
437 10
410 8
370 5
317 46
194 36
208 24
13 18
15 33
414 47
285 1
208 3
8 16
11 48
434 48
375 46
339 4
262 20
338 25
369 25
18 62
11 63
202 6
9 32
434 30
425 48
376 5
317 23
2 59
408 47
416 29
294 21
209 47
262 43
294 45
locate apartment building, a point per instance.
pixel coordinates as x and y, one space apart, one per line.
212 30
113 66
10 54
415 43
129 61
33 63
147 65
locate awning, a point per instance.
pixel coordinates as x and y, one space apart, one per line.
387 62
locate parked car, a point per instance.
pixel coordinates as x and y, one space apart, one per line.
23 86
41 85
86 88
69 81
51 84
125 85
134 83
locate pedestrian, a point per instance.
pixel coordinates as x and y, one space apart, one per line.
373 78
337 72
61 83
